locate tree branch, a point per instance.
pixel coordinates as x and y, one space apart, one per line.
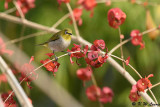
46 83
80 40
22 97
1 102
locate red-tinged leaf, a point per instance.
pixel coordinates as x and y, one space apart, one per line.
32 59
50 65
127 60
10 102
85 50
50 54
142 45
76 54
29 86
150 75
144 83
3 78
3 48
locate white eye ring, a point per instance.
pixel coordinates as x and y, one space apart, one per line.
66 32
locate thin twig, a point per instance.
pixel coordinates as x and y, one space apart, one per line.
134 70
19 10
73 19
128 64
155 85
119 45
121 48
104 1
38 33
95 83
138 2
137 74
93 80
27 23
25 37
21 35
60 20
10 10
150 30
153 96
45 82
28 74
22 17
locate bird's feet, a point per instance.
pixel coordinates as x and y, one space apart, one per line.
69 53
56 58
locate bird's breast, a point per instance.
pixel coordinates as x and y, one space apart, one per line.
59 44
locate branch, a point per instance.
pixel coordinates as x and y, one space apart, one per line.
119 45
121 48
37 33
10 10
22 97
138 75
129 78
19 9
1 102
26 22
45 82
80 40
73 19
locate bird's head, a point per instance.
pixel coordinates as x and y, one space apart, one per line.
68 31
66 34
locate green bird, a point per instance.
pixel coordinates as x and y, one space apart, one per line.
59 41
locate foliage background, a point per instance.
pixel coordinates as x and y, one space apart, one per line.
146 61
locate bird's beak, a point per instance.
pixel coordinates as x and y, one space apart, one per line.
69 33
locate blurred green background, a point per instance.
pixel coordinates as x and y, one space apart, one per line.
146 61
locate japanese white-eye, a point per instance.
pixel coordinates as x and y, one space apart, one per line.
59 41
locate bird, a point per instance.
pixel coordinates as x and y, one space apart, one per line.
59 41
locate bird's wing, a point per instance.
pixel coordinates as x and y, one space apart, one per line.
54 37
43 44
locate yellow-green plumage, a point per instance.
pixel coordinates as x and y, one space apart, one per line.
59 41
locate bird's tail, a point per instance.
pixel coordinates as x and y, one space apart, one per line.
43 44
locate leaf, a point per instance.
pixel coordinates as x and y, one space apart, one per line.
151 24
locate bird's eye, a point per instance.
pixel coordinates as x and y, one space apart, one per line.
66 32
